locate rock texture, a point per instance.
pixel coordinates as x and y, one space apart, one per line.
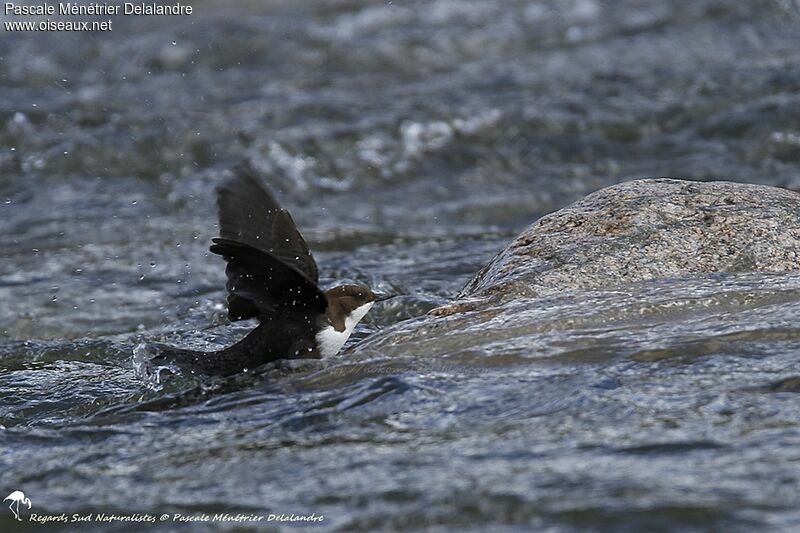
648 229
584 269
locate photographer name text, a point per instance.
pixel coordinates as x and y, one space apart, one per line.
167 517
73 9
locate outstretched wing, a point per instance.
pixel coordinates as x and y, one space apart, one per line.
249 214
259 284
268 260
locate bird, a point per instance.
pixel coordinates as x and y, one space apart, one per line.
16 498
273 277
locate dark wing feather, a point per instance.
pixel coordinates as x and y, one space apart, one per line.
260 284
249 214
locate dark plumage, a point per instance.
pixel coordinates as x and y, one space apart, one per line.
273 277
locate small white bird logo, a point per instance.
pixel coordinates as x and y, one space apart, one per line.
16 498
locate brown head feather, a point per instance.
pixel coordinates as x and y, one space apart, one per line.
342 300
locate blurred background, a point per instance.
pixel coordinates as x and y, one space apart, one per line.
411 140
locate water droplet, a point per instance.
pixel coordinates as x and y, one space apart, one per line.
55 298
134 202
178 245
174 43
141 278
152 264
66 153
8 200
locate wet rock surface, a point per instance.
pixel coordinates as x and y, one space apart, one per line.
645 230
614 240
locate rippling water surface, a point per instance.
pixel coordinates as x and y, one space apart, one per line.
411 141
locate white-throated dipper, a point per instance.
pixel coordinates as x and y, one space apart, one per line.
273 277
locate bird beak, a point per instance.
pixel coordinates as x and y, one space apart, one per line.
383 297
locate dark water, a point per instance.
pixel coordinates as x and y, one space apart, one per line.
411 141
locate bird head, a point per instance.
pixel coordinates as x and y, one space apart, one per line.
349 301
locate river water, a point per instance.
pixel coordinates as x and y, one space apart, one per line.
411 141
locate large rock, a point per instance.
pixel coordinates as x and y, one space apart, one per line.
587 266
649 229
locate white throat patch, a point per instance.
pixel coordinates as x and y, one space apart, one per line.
330 341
